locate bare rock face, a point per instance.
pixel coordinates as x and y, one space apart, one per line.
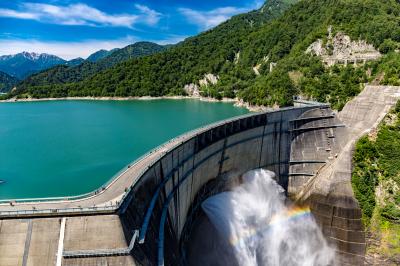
209 79
237 58
343 46
316 48
256 69
192 90
341 49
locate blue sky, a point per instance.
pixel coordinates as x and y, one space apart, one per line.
76 28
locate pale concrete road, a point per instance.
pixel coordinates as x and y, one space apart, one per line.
113 193
108 197
34 242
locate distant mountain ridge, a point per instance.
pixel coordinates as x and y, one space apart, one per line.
75 62
161 73
62 74
23 64
259 57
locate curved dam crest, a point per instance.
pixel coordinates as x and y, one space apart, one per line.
52 146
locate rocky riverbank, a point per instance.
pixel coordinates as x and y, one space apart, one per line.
237 102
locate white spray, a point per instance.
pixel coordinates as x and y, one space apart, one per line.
262 230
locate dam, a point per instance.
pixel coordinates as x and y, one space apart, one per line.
146 215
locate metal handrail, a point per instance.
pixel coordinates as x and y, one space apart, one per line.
124 169
184 137
57 211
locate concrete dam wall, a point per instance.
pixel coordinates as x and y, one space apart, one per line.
294 143
149 214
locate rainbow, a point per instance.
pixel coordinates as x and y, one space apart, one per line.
290 214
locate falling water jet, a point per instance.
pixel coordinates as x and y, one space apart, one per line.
259 228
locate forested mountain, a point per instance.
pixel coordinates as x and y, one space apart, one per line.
203 52
75 62
233 50
376 185
133 51
62 74
23 64
7 82
100 55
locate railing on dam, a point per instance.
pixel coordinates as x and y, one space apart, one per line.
166 184
238 124
58 212
159 202
95 192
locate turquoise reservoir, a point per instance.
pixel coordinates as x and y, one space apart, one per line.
60 148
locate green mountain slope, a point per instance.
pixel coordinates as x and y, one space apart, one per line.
376 185
64 74
100 55
7 82
163 73
256 39
75 62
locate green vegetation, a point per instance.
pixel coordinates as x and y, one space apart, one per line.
231 50
100 55
365 176
162 73
389 65
7 82
376 184
59 75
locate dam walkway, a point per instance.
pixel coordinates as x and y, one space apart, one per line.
104 200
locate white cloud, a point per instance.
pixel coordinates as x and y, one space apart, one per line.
81 14
151 16
15 14
209 19
172 39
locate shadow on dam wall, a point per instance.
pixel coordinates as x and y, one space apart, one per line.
163 203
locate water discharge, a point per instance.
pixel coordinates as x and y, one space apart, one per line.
260 228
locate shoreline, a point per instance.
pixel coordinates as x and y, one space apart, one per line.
236 102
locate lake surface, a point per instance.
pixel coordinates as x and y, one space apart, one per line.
60 148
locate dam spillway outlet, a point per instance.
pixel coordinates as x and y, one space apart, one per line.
253 224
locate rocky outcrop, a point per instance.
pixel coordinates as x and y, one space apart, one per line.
193 89
340 49
209 79
237 58
256 69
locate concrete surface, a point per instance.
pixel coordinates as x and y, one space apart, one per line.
329 192
94 232
306 147
12 241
